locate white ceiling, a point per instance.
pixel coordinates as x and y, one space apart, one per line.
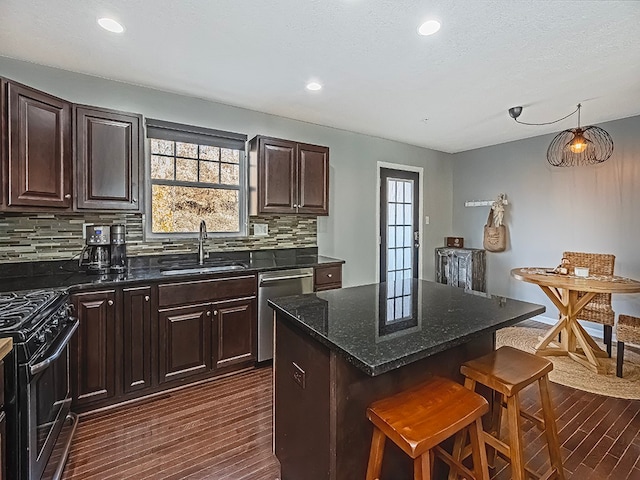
380 78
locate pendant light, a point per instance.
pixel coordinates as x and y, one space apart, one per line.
576 146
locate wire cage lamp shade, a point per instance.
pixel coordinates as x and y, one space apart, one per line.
575 146
580 146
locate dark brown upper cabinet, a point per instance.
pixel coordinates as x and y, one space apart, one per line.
38 166
108 150
288 177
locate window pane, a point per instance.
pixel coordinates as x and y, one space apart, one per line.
408 217
209 172
400 193
398 253
408 237
391 258
229 174
391 190
392 214
407 258
231 156
399 216
390 315
180 209
391 239
208 152
407 192
186 170
164 147
398 312
186 150
399 237
162 167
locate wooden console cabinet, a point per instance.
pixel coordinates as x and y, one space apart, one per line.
461 267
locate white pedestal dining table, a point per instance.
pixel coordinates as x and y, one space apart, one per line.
570 294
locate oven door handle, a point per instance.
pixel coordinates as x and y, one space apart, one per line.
38 367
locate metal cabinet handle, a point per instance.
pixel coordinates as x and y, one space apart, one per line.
215 312
208 313
329 275
68 195
135 200
295 205
110 303
146 298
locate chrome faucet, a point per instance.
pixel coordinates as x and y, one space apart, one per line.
201 239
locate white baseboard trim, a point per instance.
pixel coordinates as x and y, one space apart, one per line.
594 331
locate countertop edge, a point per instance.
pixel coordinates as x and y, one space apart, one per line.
400 362
79 281
6 345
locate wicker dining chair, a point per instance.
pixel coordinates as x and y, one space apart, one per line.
599 309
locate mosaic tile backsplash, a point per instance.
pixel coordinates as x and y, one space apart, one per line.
39 236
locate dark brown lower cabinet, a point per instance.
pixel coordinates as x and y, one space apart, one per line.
234 333
136 339
184 341
93 366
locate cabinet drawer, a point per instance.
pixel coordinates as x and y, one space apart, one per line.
206 290
326 278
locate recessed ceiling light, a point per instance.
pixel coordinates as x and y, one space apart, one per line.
314 86
110 25
429 27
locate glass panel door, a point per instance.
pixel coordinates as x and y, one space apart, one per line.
399 240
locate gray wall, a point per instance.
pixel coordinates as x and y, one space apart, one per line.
349 232
592 209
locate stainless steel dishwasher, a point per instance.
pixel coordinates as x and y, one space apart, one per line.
272 285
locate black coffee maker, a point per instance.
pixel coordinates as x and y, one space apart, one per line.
118 249
95 256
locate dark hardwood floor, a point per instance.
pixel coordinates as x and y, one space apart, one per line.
222 430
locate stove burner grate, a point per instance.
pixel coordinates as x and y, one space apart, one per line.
18 307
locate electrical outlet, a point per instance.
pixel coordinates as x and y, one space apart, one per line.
426 220
299 376
260 229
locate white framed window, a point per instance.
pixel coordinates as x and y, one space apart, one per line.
195 174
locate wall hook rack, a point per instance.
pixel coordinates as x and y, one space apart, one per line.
486 203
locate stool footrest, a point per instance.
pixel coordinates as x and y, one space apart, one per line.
499 445
537 421
448 459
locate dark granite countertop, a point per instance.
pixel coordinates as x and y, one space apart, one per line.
358 322
66 274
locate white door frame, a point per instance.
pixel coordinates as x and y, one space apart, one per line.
406 168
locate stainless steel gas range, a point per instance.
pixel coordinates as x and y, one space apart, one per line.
37 384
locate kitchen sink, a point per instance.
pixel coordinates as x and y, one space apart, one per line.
203 269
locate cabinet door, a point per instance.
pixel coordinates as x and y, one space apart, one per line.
277 171
137 352
3 145
39 172
108 155
234 333
313 179
185 342
94 362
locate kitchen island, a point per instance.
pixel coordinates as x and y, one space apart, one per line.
338 351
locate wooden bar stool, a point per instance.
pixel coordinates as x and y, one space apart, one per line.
507 371
419 418
627 330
